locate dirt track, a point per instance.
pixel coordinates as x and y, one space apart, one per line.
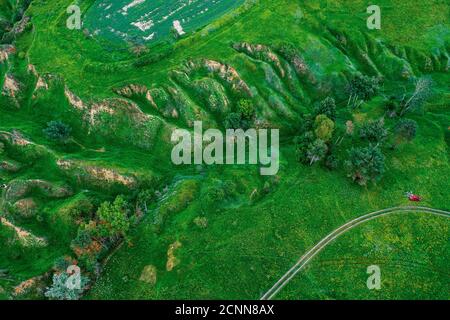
308 256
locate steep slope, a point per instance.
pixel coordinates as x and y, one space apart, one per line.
283 57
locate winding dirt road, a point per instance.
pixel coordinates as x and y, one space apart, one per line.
308 256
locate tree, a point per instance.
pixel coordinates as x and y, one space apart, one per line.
114 221
374 131
144 198
62 263
306 123
326 107
405 130
422 91
61 291
302 142
324 127
316 151
331 162
233 121
365 164
82 240
218 192
58 131
246 109
364 87
243 117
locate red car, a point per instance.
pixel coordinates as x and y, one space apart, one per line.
414 198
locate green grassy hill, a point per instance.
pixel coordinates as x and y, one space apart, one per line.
205 232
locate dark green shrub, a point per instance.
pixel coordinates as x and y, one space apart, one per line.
58 131
374 131
364 87
331 162
316 151
326 107
82 240
301 145
233 121
365 164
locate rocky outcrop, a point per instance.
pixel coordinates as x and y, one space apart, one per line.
171 102
15 138
293 56
5 52
263 53
25 238
225 72
96 110
19 188
74 100
26 207
40 82
95 175
30 285
11 86
21 25
27 150
10 166
172 260
132 90
118 118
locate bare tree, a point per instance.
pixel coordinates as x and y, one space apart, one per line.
421 93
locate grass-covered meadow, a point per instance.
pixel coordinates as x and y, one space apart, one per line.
85 154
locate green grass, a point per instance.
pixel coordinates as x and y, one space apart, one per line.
156 18
244 251
76 54
252 237
410 249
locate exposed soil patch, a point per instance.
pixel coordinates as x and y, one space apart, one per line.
27 239
172 260
149 275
